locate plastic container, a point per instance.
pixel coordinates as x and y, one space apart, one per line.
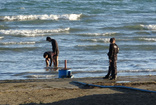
63 73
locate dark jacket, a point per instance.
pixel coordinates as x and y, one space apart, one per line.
49 53
113 51
55 48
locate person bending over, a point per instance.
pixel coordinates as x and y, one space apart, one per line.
55 50
48 58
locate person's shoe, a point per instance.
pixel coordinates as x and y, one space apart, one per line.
106 77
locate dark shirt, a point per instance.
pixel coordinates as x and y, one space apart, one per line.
55 48
50 57
49 54
113 50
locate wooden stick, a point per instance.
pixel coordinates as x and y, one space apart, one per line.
65 64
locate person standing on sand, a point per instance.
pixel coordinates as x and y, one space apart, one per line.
112 55
55 50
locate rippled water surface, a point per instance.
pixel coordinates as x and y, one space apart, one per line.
82 29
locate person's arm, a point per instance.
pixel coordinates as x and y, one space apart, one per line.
111 52
47 62
50 62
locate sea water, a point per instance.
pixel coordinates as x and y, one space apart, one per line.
82 29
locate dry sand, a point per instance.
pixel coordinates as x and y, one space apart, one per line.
66 92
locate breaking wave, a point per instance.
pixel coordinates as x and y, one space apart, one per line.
149 27
99 34
41 17
105 40
147 70
35 32
148 39
11 43
1 37
41 76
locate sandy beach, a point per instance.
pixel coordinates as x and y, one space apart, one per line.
67 92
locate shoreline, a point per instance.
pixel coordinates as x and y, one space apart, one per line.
65 91
50 79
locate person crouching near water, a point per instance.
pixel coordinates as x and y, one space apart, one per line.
48 58
112 55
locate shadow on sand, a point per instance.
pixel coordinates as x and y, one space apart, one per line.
108 99
126 97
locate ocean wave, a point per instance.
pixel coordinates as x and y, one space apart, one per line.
149 27
96 45
99 34
8 43
41 17
91 47
40 76
1 37
105 40
147 70
148 39
35 32
19 49
132 27
3 27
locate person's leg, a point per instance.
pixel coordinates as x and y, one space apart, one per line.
47 62
114 70
55 58
109 72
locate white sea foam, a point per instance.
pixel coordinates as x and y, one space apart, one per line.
35 32
41 17
1 37
148 39
99 34
8 43
41 76
149 27
106 40
147 70
91 45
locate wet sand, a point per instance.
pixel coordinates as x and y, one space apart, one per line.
67 92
